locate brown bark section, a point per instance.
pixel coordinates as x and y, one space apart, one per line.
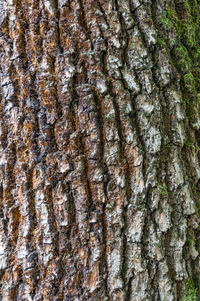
99 187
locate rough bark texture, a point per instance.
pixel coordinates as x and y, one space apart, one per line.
100 149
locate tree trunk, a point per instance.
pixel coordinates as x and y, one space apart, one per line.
100 150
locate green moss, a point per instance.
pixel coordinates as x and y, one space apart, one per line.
189 82
182 59
189 76
173 42
187 28
191 292
187 5
185 51
189 143
163 189
191 242
171 13
161 42
166 21
179 32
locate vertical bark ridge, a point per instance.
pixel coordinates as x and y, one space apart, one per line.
98 202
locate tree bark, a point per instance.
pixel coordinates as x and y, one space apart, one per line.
99 150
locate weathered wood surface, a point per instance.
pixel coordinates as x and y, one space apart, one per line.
99 155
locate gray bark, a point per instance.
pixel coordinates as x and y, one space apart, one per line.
99 149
